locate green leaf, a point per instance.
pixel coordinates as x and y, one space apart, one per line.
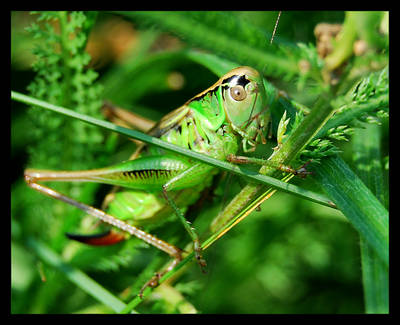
357 203
367 158
76 276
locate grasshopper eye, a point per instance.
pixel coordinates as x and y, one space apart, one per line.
238 93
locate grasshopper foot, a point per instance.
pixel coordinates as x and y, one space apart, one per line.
155 280
199 258
302 171
152 283
202 262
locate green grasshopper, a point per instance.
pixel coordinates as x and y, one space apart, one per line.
230 116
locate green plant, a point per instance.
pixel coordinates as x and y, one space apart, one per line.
353 91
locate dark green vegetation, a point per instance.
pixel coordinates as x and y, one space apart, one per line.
292 257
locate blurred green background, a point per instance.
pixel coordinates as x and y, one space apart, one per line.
291 257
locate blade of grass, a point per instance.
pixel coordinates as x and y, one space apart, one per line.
296 141
357 203
76 276
249 174
367 158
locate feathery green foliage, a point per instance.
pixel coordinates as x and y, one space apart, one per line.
62 78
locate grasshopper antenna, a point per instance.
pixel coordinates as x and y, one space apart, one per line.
273 35
276 26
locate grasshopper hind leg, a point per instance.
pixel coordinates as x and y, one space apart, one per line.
33 176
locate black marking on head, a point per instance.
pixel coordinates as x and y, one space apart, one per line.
240 80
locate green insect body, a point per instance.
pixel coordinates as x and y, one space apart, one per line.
206 124
229 116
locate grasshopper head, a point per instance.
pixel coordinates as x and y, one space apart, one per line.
244 101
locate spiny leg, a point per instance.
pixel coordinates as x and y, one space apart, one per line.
301 171
189 229
32 177
174 182
107 218
132 174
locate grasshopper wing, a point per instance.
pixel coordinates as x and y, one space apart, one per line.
169 121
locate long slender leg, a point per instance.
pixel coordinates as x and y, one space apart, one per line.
171 250
107 218
174 182
129 173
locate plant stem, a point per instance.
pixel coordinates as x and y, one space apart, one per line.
344 47
311 124
303 134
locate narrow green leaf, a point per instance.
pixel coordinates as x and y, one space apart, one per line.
356 202
249 174
76 276
367 157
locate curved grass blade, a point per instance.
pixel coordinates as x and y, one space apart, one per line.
367 158
249 174
356 202
76 276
